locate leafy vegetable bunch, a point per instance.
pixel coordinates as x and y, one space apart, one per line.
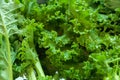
74 40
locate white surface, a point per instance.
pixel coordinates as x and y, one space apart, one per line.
21 78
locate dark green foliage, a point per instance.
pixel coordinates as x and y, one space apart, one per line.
70 39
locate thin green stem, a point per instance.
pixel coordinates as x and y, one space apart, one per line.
114 60
8 54
39 69
31 74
